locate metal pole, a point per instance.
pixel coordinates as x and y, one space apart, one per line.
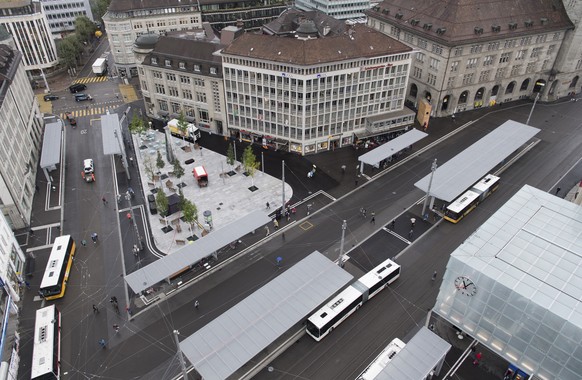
262 163
340 260
123 155
433 168
283 185
234 144
138 236
532 108
48 89
180 357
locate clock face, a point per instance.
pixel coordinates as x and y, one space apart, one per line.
465 286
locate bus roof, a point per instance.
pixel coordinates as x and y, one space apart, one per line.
378 273
44 336
460 203
382 360
55 262
485 183
330 310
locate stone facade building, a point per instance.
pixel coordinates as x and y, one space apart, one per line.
181 72
20 139
311 83
568 68
475 54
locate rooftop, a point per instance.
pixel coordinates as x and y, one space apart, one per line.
307 38
465 21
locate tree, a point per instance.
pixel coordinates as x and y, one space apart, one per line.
69 48
162 202
160 161
99 7
148 166
84 28
178 170
230 156
189 213
250 163
183 125
137 127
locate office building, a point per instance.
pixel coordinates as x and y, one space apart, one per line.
61 14
340 9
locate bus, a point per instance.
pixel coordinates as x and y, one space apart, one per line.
471 198
46 354
56 274
382 360
350 299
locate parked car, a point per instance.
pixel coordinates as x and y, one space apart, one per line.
77 87
82 97
49 97
153 208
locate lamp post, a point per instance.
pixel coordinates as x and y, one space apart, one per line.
340 260
128 195
433 168
532 108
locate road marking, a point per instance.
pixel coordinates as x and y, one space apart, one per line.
90 79
396 235
306 225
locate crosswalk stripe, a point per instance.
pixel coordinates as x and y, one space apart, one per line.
90 79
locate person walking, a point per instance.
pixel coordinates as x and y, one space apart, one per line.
558 190
268 206
267 231
393 224
410 234
116 328
276 224
104 201
412 222
434 275
477 358
84 243
373 215
94 237
95 309
102 343
196 304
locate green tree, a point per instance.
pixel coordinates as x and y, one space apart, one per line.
182 125
160 161
250 163
148 167
84 28
189 213
99 7
162 202
178 170
69 48
230 156
137 127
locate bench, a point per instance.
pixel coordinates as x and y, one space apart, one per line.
180 242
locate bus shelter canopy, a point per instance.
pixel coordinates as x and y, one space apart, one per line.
228 342
375 156
418 358
111 131
165 267
51 145
466 168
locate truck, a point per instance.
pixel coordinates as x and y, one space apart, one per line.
192 133
100 67
201 176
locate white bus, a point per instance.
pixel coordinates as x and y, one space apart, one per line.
350 299
382 360
58 268
471 198
46 354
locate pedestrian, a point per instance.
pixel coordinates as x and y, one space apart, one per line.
31 232
364 212
135 249
425 126
453 117
104 201
37 188
393 224
113 300
94 237
267 231
287 215
434 275
558 190
309 208
477 358
95 309
128 216
268 206
102 343
373 215
343 169
116 327
410 234
27 284
275 224
412 222
128 310
356 182
196 304
84 243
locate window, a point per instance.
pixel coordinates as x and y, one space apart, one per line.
200 97
213 70
455 66
500 73
468 78
173 91
547 62
175 107
437 49
157 74
525 41
422 43
536 52
434 64
160 89
168 63
484 76
154 61
431 79
504 57
171 77
203 115
556 36
187 94
420 57
530 68
450 82
578 64
520 55
476 49
493 46
551 49
163 105
472 63
408 38
199 82
509 44
458 51
184 79
488 60
182 65
196 67
515 70
541 38
417 72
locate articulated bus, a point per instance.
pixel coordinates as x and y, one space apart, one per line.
46 354
382 360
56 274
350 299
471 198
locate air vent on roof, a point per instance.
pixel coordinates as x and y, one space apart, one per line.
495 28
377 8
544 20
478 30
386 11
528 23
399 16
427 26
414 22
441 31
512 25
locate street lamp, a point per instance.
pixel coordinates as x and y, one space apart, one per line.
128 194
532 108
433 168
